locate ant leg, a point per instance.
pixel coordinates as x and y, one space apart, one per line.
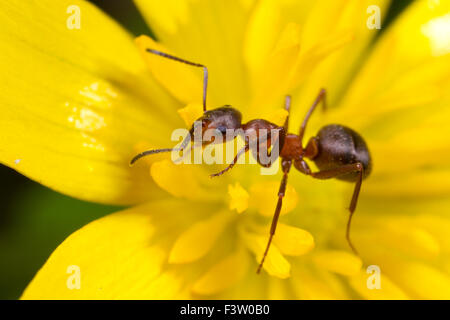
231 165
205 70
262 154
333 173
286 166
287 107
320 97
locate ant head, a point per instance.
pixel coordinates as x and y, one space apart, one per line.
220 120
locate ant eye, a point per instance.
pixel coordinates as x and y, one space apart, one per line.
222 129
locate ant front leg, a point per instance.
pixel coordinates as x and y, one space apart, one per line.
281 192
287 107
260 147
231 165
303 167
320 97
266 158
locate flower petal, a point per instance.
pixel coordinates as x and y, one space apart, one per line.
264 197
75 103
293 241
275 264
190 113
337 261
388 290
209 38
404 235
314 283
404 70
193 180
417 279
198 240
239 197
121 256
178 78
431 182
318 32
334 20
223 275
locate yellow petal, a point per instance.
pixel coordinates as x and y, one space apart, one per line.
275 264
340 262
329 19
198 240
268 18
404 70
250 287
226 273
431 182
322 29
264 197
166 15
261 33
178 78
277 116
190 113
399 235
313 283
436 226
121 256
277 289
417 279
208 38
239 197
75 103
183 180
387 291
271 80
293 241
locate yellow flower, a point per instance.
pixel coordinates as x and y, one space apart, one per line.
77 104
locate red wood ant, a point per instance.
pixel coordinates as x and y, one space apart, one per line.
338 151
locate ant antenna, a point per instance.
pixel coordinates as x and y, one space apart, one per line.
149 152
205 70
155 151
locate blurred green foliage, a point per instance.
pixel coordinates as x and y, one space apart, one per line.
40 219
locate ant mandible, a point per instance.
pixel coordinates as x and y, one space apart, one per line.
339 152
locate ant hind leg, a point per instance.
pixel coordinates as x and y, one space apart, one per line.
333 173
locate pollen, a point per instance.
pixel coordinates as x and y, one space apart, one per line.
239 197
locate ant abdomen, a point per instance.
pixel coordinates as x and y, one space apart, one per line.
338 145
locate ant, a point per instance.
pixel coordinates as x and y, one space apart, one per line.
339 152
